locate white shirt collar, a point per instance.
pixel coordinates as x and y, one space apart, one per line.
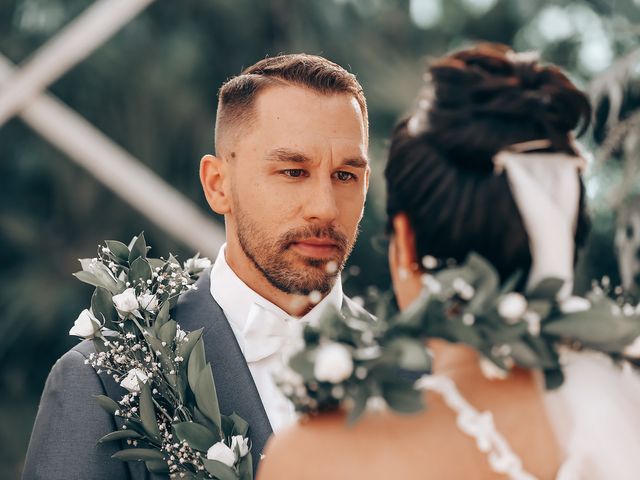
236 298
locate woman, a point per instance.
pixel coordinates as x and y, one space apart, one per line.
487 163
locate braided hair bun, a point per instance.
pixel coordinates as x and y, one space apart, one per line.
477 102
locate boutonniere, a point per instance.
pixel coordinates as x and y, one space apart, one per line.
169 415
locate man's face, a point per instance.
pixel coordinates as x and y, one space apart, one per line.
297 184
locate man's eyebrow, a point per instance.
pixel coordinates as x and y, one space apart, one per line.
286 155
356 162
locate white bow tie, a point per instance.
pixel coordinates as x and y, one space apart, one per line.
266 333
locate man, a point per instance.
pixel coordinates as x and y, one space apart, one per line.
290 176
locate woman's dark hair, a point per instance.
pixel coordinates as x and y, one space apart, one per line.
440 172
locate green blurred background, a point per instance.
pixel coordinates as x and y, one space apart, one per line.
152 89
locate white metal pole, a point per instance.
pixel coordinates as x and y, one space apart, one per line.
121 172
74 43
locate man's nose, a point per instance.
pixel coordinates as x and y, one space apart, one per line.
320 204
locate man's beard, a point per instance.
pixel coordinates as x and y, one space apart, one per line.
270 257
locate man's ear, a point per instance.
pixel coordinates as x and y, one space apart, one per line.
213 172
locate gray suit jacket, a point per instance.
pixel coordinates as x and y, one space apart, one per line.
69 422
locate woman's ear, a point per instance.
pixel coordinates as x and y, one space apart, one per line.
405 271
405 242
213 173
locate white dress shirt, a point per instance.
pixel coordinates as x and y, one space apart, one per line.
265 353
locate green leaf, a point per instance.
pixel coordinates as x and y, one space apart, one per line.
138 249
139 454
139 269
206 396
89 278
196 364
595 328
119 435
240 426
360 396
411 354
163 314
197 436
219 470
553 378
102 306
157 466
168 331
120 250
524 355
402 398
547 289
185 347
302 364
486 285
245 467
147 411
108 404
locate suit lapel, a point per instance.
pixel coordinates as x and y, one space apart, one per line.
234 384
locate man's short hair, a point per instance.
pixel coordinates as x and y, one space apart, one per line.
237 96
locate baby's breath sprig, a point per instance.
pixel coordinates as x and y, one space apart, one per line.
169 418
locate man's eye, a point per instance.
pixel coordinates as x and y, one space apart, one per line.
293 172
345 176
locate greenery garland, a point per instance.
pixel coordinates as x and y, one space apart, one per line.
346 362
170 418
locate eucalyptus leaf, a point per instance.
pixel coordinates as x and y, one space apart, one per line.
402 398
219 470
168 331
245 468
590 328
147 411
360 395
197 436
139 270
102 306
553 378
206 397
547 289
302 363
138 249
120 435
157 466
163 314
196 364
240 426
108 404
524 355
119 250
139 454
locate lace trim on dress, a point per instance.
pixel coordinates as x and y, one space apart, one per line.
478 425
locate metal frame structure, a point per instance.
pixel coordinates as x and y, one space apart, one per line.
22 93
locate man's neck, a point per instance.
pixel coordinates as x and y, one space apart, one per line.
294 305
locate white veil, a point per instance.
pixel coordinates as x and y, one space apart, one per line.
596 412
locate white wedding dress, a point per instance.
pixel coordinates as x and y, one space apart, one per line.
595 414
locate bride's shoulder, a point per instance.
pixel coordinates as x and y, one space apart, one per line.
381 445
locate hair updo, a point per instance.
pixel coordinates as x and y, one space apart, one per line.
440 168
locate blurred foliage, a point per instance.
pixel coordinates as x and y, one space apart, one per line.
152 89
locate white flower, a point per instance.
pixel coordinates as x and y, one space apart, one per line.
512 307
241 444
86 325
491 371
333 363
194 263
126 302
533 322
220 452
633 349
131 381
575 305
148 301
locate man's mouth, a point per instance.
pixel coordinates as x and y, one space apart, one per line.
316 247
